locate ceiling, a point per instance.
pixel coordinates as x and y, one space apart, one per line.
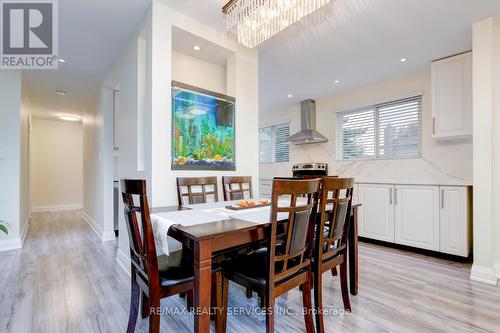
91 35
184 42
356 42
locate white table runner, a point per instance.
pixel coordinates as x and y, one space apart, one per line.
206 213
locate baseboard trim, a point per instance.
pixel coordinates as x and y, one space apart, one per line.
123 261
9 244
24 232
57 208
483 274
104 236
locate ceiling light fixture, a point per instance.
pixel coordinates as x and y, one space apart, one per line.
254 21
62 60
403 59
61 92
336 81
70 118
196 48
290 95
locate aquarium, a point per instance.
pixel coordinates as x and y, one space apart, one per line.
202 129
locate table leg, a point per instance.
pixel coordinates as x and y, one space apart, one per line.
202 285
353 252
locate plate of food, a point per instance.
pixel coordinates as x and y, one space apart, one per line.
248 204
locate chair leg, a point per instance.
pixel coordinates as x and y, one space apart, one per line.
135 292
144 306
189 299
344 287
249 293
306 300
318 300
154 315
334 271
269 301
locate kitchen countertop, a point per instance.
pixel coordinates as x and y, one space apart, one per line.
416 182
408 182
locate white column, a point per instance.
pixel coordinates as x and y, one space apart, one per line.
484 159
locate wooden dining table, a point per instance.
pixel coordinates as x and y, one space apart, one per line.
209 239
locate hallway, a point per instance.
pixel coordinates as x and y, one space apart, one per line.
66 280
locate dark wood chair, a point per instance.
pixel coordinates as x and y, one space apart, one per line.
284 264
234 188
330 248
155 277
193 186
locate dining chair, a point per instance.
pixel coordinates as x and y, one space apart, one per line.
155 277
198 190
284 264
330 246
234 187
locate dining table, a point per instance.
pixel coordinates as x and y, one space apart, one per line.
220 229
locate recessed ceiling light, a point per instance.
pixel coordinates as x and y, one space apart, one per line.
336 81
403 59
70 118
290 95
61 92
62 60
196 48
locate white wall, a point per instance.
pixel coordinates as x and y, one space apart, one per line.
10 163
238 79
199 73
442 161
486 68
57 165
26 167
98 164
242 83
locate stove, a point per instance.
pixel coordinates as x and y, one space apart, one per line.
310 170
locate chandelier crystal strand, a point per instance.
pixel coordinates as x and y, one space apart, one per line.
254 21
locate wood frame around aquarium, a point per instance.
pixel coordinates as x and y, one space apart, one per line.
188 87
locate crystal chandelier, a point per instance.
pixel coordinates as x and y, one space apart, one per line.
254 21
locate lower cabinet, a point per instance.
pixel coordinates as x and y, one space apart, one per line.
435 218
455 220
376 214
417 216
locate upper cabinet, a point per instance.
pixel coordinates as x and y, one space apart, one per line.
452 96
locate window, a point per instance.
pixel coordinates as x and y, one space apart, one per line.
272 147
383 131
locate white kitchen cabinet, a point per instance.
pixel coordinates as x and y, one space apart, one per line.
431 217
452 96
454 220
417 216
376 214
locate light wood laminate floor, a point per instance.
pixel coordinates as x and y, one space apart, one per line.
66 280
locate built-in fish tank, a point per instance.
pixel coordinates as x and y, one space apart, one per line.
202 129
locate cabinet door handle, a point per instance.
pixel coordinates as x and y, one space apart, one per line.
395 196
390 195
442 199
433 125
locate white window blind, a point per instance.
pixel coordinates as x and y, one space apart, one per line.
383 131
272 147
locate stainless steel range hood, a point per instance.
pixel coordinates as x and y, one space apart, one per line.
308 133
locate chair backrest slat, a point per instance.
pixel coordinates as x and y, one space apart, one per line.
193 196
234 189
335 208
297 198
140 232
